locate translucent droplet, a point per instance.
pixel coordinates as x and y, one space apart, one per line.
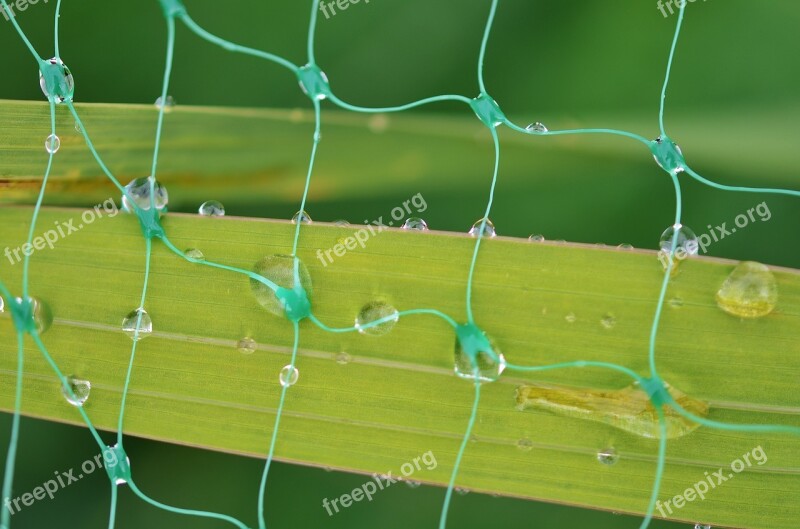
537 128
571 318
676 302
490 363
525 444
412 484
80 391
608 321
280 270
625 246
701 526
170 103
289 375
42 315
78 128
341 223
139 191
141 317
608 456
52 144
66 84
194 253
2 305
246 345
686 244
302 217
415 223
212 208
374 311
750 291
343 358
488 229
462 491
536 238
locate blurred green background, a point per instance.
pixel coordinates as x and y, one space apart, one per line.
732 106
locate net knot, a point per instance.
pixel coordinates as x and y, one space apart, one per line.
314 82
296 305
668 155
173 8
118 466
488 111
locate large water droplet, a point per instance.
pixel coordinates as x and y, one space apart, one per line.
280 270
246 345
80 391
302 217
686 244
415 223
488 229
139 191
52 144
608 456
289 375
140 317
537 128
750 291
375 311
168 105
194 253
212 208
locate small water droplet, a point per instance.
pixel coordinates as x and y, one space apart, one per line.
80 391
341 223
536 238
625 246
343 358
488 229
2 305
686 244
462 491
280 270
170 103
412 484
42 315
374 311
525 444
52 144
139 191
537 128
78 128
141 317
302 217
246 345
194 253
571 318
608 456
676 302
701 526
212 208
750 291
289 375
608 321
415 223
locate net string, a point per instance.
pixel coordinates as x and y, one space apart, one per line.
488 111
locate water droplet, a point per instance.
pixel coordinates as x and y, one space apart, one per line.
525 444
141 317
343 358
52 144
412 484
64 85
608 456
42 315
170 103
482 355
537 128
536 238
571 318
676 302
341 223
701 526
608 321
625 246
415 223
139 191
194 253
462 491
686 244
80 391
212 208
750 291
374 311
488 229
289 375
280 270
302 217
78 128
246 345
2 305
